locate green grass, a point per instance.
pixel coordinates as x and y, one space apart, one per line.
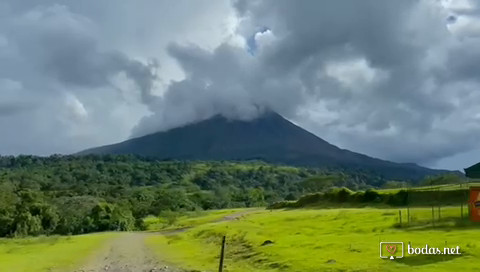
55 253
323 240
190 219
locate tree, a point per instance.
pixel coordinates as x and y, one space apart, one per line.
255 197
49 219
101 215
443 179
122 219
319 183
26 224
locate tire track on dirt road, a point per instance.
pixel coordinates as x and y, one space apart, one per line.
126 253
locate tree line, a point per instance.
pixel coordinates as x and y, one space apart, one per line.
82 194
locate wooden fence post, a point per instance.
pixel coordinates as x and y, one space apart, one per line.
408 208
433 216
400 216
222 255
461 211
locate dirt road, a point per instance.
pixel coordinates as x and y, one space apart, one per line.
126 253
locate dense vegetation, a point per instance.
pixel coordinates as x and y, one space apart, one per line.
337 197
81 194
72 195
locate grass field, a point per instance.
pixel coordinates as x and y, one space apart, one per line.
323 240
299 240
54 253
190 219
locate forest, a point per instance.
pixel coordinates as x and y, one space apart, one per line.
81 194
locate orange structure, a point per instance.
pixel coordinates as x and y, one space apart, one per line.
474 203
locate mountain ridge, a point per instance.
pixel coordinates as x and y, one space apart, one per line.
270 138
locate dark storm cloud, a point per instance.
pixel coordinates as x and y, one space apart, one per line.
393 79
387 73
75 74
63 45
211 86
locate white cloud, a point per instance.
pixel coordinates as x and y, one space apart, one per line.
458 5
263 39
355 74
85 68
466 26
393 79
75 109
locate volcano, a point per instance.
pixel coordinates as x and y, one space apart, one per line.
270 138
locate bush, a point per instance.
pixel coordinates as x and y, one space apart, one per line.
398 199
372 196
170 217
336 196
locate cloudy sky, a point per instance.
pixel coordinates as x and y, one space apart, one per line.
399 80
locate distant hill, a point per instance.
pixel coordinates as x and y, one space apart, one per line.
270 138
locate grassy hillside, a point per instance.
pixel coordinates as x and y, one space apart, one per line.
320 240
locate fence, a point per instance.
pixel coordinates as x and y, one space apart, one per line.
435 206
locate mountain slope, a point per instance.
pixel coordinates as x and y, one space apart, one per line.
270 138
